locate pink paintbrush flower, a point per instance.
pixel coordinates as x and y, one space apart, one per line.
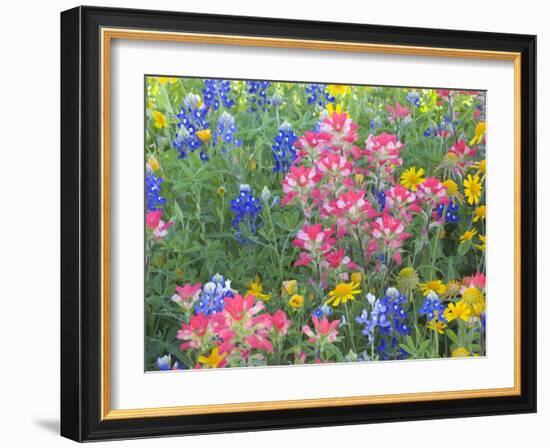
325 331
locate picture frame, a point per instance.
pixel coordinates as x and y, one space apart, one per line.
87 35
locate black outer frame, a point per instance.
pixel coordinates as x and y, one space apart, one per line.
80 223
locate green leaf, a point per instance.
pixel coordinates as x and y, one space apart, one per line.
451 335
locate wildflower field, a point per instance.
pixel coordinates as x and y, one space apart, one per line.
293 223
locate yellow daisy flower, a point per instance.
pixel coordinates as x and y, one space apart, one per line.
435 286
459 310
483 244
412 178
338 89
164 80
153 163
472 189
461 352
479 133
480 166
468 235
255 289
290 286
436 325
296 301
331 109
159 120
214 359
452 190
204 134
474 297
342 293
480 213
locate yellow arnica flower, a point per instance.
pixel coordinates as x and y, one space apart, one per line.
356 277
331 109
412 178
481 166
221 191
164 80
436 325
255 288
452 190
480 213
452 288
472 189
338 89
483 244
461 352
474 297
296 301
407 279
252 165
436 286
468 235
290 286
213 360
153 163
459 310
359 178
205 135
159 119
342 293
479 133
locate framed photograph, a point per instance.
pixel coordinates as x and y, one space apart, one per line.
275 224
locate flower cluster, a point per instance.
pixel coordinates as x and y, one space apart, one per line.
284 152
386 323
153 187
343 244
257 95
217 92
193 130
214 292
246 208
237 329
318 94
224 135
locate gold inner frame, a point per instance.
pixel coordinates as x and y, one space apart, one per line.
107 35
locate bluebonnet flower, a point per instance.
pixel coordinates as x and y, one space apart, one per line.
153 187
451 215
430 132
389 316
317 94
246 208
257 95
375 123
413 97
276 100
432 307
211 300
224 135
165 363
193 127
284 151
381 198
215 93
369 325
322 311
390 350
